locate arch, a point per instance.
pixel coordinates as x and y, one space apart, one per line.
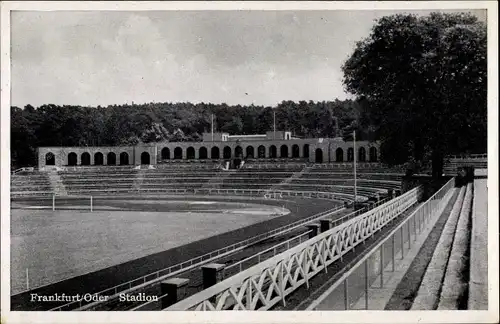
250 152
339 155
284 151
98 158
226 153
111 158
215 153
373 154
203 153
145 158
362 154
272 152
319 155
165 153
295 151
238 152
178 153
350 154
261 152
72 158
190 153
50 159
306 150
123 158
85 158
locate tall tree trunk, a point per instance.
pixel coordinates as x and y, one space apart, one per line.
437 163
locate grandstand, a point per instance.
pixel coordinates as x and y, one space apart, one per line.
314 195
98 181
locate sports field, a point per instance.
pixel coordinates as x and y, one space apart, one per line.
71 241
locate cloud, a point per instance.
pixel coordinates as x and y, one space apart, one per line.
237 57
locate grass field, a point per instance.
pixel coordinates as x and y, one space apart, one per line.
70 241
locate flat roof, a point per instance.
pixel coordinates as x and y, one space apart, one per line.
257 135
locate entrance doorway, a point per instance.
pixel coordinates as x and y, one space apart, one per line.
319 155
145 158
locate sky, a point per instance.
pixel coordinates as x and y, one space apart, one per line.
238 57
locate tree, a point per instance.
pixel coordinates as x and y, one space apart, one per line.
424 79
53 125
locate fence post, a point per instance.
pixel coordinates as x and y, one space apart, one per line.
346 294
53 202
366 284
415 226
170 288
393 253
91 207
249 295
382 266
282 283
325 225
402 244
409 235
27 280
313 228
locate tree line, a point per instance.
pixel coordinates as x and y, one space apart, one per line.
131 124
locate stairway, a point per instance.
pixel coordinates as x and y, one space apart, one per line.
217 180
294 176
139 179
57 184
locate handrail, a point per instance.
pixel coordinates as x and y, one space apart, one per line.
467 156
272 248
161 274
258 283
28 169
240 263
424 213
273 194
342 219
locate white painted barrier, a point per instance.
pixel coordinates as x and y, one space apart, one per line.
264 285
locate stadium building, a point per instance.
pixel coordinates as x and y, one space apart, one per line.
215 147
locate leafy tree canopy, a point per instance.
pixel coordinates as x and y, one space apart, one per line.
422 85
52 125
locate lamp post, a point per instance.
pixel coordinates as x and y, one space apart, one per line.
212 127
274 124
355 187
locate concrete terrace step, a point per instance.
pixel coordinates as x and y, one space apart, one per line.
478 280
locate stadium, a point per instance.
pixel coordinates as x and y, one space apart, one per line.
372 203
258 193
116 233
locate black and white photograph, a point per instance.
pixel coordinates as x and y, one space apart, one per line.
314 162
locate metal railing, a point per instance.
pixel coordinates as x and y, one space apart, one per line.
241 265
25 169
160 275
275 194
467 156
358 212
276 165
264 285
351 290
257 258
346 165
